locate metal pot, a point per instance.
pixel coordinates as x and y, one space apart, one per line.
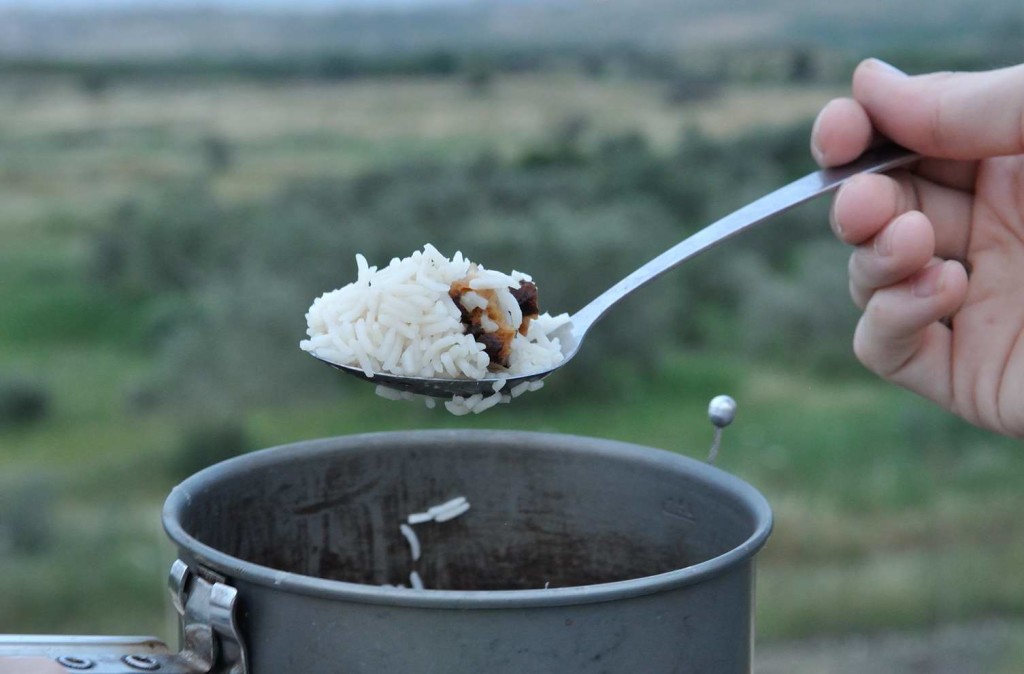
577 555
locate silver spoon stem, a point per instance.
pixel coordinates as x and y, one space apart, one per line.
877 160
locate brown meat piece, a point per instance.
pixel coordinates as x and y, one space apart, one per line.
496 348
526 296
497 344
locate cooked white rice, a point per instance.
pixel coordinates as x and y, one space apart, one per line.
452 513
441 512
412 539
401 320
415 581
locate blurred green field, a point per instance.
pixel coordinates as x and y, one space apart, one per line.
68 152
889 514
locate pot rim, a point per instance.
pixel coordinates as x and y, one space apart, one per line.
232 567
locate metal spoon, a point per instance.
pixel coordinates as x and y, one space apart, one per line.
876 160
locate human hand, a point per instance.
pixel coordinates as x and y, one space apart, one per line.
938 268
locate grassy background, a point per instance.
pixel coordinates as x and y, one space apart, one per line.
890 515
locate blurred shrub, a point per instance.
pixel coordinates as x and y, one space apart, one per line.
206 442
23 402
167 243
94 83
236 345
27 514
217 153
803 66
806 318
687 88
563 146
480 81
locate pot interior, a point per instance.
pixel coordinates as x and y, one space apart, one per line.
546 510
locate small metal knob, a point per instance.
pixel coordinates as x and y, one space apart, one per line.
721 412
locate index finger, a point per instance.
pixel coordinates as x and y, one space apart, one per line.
841 133
948 115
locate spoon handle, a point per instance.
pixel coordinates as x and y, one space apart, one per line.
875 160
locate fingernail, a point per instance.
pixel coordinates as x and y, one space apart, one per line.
816 152
882 66
883 242
929 282
837 226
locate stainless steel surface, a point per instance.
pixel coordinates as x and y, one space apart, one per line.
648 556
877 160
75 662
722 411
211 640
45 654
142 663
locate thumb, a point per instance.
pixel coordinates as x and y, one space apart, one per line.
947 115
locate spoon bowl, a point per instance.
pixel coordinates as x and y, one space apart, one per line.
568 336
571 335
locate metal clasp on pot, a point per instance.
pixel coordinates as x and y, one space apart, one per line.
211 642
